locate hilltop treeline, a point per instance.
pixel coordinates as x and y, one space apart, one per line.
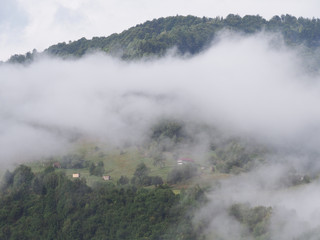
189 34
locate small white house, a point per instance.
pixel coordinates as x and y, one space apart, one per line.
76 175
106 178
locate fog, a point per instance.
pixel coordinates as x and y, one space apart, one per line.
295 211
245 86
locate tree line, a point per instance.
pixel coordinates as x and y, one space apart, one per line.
189 34
48 205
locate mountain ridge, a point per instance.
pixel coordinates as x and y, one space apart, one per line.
189 34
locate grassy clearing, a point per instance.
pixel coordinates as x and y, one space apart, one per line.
123 162
119 163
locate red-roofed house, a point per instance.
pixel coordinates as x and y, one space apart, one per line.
181 161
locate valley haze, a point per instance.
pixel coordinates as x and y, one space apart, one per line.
242 84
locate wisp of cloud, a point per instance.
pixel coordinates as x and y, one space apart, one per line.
240 84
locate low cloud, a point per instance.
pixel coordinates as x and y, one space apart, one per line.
242 85
295 212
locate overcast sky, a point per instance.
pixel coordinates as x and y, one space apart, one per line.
29 24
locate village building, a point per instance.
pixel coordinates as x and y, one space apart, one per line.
181 161
56 165
76 175
106 178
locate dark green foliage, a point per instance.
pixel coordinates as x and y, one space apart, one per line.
25 59
255 219
156 180
18 181
158 158
189 34
190 199
54 207
97 169
235 156
73 161
171 129
123 180
182 173
141 177
22 175
7 180
141 171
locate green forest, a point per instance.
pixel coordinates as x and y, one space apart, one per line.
49 205
189 34
157 199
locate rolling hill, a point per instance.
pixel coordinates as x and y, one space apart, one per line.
188 34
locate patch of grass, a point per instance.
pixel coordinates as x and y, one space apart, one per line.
176 191
84 173
123 162
38 166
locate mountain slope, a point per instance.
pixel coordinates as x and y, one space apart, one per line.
189 34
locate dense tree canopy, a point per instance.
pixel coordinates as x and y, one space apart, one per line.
48 205
188 34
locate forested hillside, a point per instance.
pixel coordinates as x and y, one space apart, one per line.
48 205
223 146
44 201
188 34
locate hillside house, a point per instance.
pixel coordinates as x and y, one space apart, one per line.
106 178
181 161
56 165
76 175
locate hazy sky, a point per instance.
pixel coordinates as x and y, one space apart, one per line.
29 24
